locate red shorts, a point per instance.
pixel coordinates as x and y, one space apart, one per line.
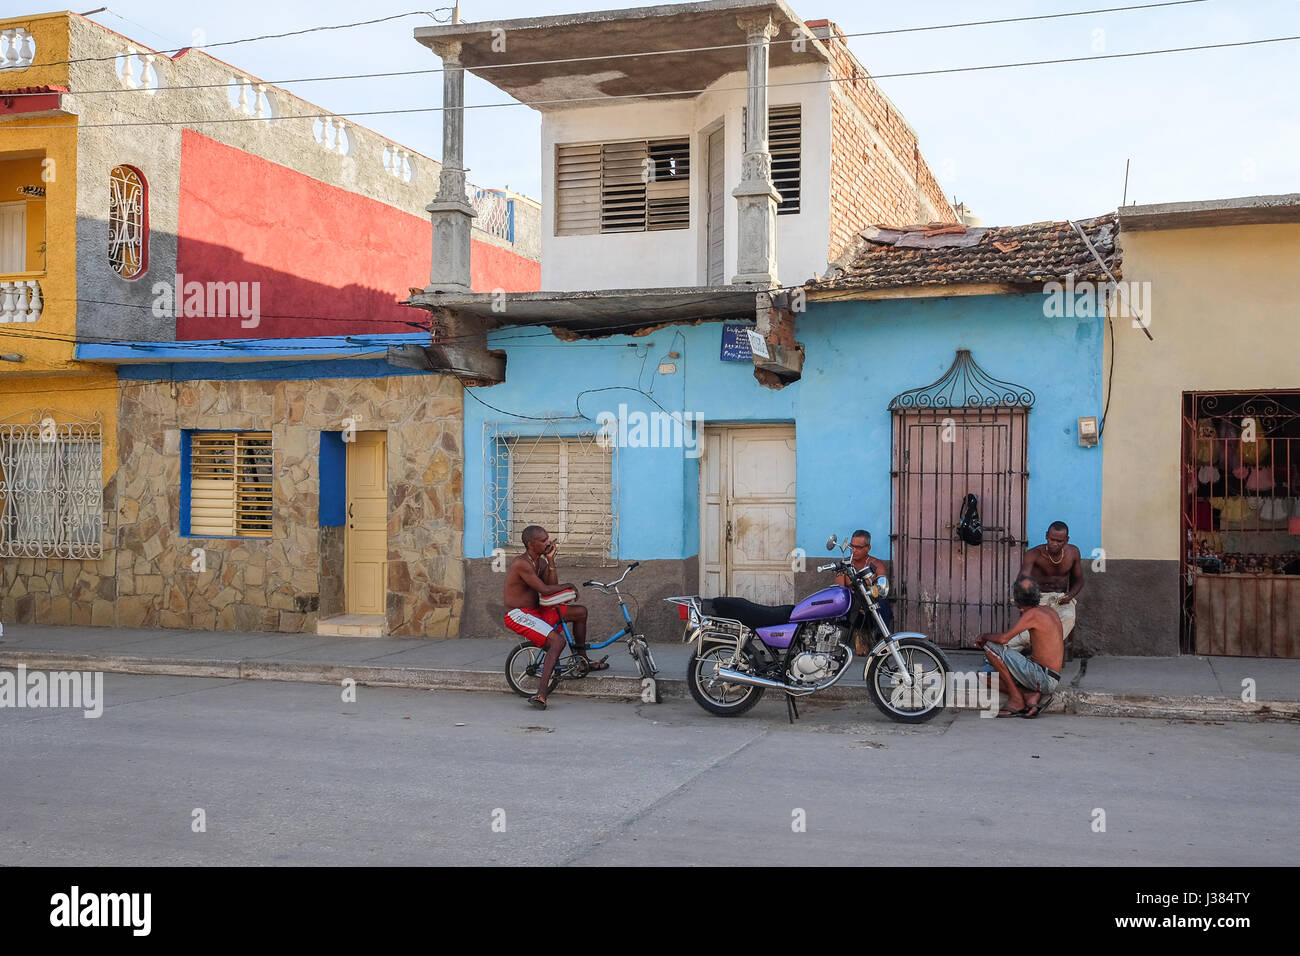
534 623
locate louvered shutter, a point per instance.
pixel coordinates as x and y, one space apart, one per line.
784 142
577 190
564 485
212 484
668 195
253 491
623 187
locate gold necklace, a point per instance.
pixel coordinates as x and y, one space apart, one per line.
1052 559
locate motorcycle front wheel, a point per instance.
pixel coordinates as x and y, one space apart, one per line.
925 698
718 697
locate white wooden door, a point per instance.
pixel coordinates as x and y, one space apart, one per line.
13 237
747 513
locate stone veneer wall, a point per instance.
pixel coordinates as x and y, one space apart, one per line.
280 583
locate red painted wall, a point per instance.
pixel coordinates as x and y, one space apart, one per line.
328 261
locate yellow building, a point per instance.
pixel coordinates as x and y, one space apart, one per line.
57 415
1201 477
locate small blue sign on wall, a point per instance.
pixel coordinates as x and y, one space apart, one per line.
735 344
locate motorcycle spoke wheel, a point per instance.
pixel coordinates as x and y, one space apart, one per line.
723 698
891 693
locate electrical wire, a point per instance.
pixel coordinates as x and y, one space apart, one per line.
602 56
265 36
653 94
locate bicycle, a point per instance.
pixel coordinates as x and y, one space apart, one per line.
524 663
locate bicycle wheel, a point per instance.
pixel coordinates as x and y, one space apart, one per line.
524 670
645 663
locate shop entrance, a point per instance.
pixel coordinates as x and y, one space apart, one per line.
1241 524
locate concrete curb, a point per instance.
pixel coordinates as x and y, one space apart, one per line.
1072 702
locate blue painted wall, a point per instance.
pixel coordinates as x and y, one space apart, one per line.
859 355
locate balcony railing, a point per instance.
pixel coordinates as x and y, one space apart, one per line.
20 300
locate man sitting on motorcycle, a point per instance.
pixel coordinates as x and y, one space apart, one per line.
1027 679
860 557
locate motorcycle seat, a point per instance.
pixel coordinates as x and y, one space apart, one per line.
750 614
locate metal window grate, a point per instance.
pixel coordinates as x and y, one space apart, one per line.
51 484
231 484
126 222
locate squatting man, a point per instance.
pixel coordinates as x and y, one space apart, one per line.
1029 680
530 577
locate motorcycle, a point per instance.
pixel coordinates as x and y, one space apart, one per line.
743 649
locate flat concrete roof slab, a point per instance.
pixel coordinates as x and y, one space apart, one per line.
613 34
603 310
1246 210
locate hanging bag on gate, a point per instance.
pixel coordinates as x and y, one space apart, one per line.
969 528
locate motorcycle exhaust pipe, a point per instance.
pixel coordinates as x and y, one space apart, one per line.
736 677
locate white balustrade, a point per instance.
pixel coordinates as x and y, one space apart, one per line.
20 301
137 70
399 163
17 49
332 133
250 98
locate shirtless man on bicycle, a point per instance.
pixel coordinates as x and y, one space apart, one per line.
533 575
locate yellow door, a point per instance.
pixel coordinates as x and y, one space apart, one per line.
366 574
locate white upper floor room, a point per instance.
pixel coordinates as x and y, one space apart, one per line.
644 141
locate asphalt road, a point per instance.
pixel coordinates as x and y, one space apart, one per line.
292 774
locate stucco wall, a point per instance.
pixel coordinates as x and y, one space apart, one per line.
858 356
676 257
1223 317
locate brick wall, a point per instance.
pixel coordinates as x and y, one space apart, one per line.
878 174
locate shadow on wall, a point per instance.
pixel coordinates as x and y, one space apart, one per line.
225 294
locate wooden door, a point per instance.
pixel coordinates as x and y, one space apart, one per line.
366 575
747 513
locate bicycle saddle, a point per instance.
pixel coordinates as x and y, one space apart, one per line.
750 614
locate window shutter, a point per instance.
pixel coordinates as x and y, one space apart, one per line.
577 190
230 484
784 141
253 481
212 485
564 485
623 187
668 194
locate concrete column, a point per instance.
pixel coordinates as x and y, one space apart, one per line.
450 210
756 197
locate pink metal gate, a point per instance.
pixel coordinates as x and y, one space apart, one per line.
964 434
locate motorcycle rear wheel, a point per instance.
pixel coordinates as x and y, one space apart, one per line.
718 697
922 701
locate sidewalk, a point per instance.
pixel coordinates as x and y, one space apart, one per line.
1190 688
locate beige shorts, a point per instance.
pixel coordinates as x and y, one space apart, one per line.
1066 612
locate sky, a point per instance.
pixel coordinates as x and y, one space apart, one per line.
1016 146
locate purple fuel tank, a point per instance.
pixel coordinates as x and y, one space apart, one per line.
826 603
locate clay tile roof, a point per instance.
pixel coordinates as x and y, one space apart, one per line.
887 257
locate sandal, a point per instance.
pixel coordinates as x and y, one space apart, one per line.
1010 713
538 701
1029 713
600 665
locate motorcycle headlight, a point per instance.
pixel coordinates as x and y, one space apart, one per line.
881 587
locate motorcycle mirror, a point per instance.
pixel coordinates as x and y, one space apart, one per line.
830 543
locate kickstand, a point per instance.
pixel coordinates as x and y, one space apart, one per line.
791 708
